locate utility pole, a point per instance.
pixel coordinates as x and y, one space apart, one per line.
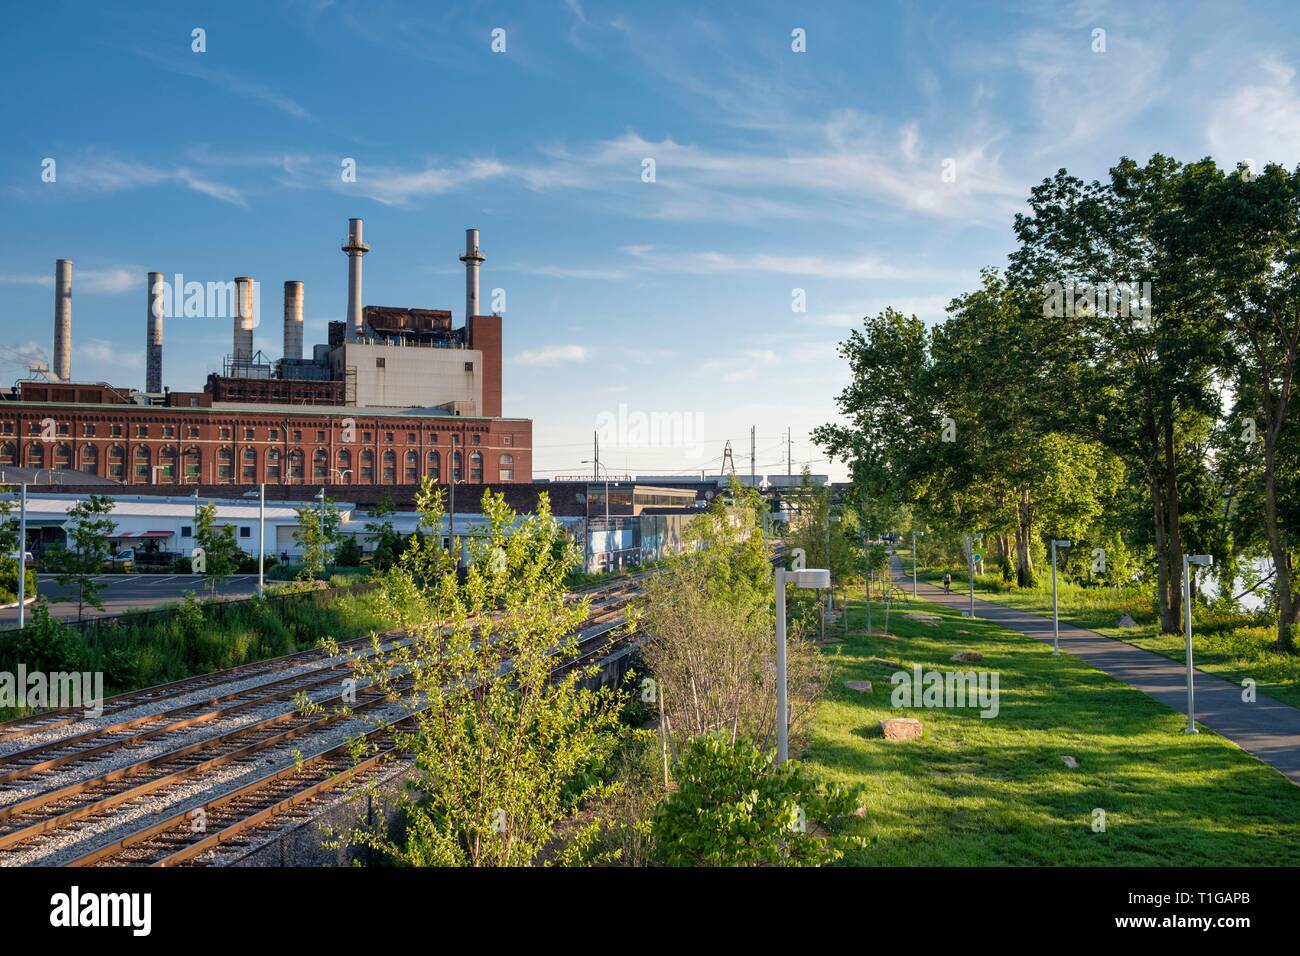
753 467
22 557
789 452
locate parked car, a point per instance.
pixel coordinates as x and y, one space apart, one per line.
28 560
121 563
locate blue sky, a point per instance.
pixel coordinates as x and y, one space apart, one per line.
774 171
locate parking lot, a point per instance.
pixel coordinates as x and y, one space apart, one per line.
124 592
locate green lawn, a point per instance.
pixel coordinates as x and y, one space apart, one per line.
977 791
1231 645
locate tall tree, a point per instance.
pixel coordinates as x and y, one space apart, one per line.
1147 367
1246 242
80 562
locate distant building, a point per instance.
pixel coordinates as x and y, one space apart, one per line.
394 395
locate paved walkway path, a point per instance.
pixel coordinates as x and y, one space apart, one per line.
1267 728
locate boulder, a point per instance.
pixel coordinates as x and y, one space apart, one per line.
1126 621
901 728
968 657
881 661
1069 761
861 686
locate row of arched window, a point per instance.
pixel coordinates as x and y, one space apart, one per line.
278 464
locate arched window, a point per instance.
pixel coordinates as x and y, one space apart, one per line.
190 464
367 467
273 464
455 464
435 466
225 464
320 465
476 467
296 465
248 469
90 459
117 462
143 459
62 455
506 468
390 467
345 467
167 464
7 454
35 455
412 467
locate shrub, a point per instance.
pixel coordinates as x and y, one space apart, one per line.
734 807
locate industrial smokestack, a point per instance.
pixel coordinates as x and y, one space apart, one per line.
244 319
293 319
471 258
154 335
63 320
355 248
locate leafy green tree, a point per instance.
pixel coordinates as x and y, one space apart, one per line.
318 527
1245 241
81 560
387 542
734 807
1142 379
503 728
221 553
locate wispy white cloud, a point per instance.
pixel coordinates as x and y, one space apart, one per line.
237 83
108 174
712 262
24 355
99 350
552 355
111 281
1259 120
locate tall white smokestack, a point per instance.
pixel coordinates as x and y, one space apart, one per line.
355 248
245 319
293 319
154 335
471 258
63 320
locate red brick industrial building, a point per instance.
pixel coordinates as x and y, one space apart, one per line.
395 394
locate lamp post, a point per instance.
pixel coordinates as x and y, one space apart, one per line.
915 535
1056 624
324 546
22 556
1204 561
970 561
261 538
803 578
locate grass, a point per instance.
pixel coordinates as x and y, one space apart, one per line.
140 650
979 792
1232 645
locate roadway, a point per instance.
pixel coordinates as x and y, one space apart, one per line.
125 592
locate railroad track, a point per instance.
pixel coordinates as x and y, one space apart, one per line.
54 802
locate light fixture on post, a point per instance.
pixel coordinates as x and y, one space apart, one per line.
1204 561
1056 625
915 535
813 579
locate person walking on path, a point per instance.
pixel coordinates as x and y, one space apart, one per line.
947 582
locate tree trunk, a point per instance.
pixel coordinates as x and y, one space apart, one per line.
1162 563
1288 608
1175 529
1024 538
